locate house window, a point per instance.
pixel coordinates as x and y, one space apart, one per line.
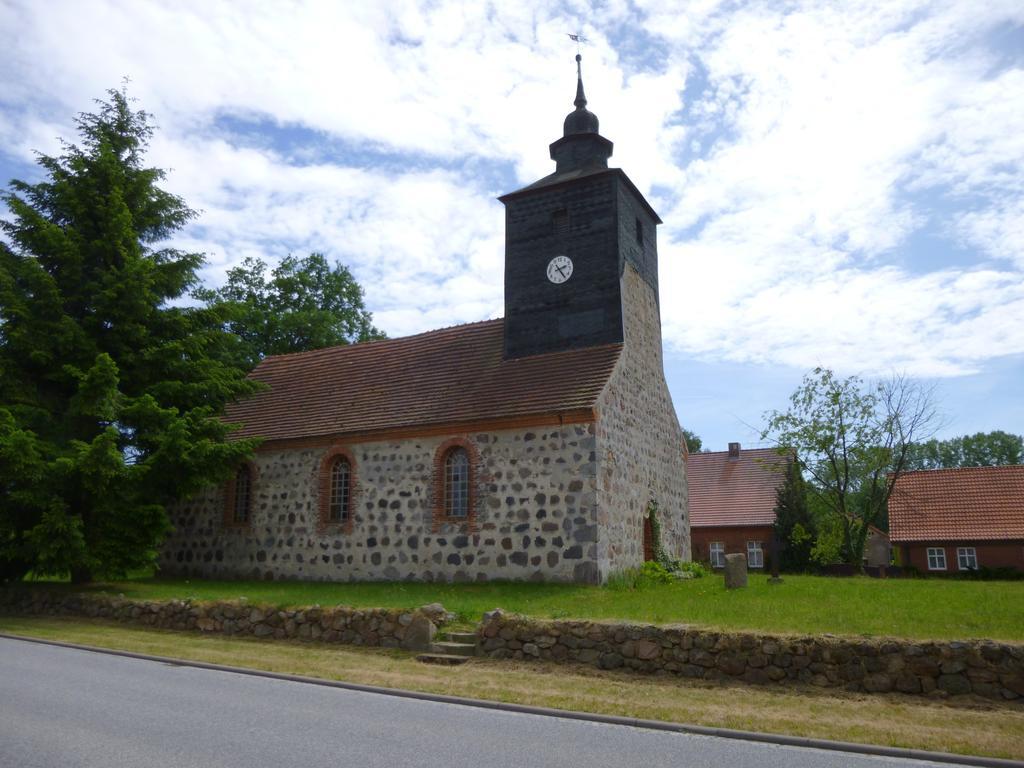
639 233
967 558
338 504
238 507
456 483
936 559
337 487
755 555
717 554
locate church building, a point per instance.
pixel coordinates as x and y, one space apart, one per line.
530 447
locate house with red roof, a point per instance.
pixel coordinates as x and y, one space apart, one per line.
528 447
954 520
732 502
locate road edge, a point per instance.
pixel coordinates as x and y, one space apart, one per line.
565 714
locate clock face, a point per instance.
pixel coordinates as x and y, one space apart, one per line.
559 269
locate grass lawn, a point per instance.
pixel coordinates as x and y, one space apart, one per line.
913 608
977 727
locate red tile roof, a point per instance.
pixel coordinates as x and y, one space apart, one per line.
453 375
971 503
741 491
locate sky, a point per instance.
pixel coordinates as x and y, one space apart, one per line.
841 183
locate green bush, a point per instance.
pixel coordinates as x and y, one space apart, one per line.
984 573
697 570
655 573
652 574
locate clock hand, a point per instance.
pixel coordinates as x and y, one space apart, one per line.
561 270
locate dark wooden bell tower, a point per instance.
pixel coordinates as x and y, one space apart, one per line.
589 214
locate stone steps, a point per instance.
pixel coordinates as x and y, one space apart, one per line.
462 637
446 659
453 648
456 648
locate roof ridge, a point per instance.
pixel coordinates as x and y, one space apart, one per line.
377 342
742 451
932 470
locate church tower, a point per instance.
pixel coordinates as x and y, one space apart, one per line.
568 239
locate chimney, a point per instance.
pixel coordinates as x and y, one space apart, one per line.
734 451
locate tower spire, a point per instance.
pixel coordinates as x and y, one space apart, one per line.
581 100
581 120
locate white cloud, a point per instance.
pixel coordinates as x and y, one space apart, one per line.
997 229
823 138
819 121
426 246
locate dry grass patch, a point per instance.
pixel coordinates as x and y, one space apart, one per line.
975 727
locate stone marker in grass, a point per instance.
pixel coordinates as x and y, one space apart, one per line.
735 571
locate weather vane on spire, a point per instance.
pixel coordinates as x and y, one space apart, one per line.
578 39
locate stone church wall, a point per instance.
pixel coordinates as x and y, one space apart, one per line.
639 441
535 515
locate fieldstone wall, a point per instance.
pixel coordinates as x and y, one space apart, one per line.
640 442
984 668
936 669
535 515
388 628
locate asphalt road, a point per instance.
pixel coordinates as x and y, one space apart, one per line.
66 707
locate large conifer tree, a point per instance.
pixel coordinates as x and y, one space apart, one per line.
109 393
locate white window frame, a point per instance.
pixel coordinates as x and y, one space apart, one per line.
939 555
755 554
457 474
967 558
716 552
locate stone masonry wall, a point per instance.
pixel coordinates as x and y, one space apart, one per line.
535 515
985 668
936 669
388 628
639 440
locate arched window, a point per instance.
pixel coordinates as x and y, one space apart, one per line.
454 495
456 483
337 490
339 502
238 510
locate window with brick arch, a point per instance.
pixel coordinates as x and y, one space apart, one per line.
339 503
456 483
337 489
241 505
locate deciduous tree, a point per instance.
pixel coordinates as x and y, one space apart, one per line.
302 304
693 441
852 440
